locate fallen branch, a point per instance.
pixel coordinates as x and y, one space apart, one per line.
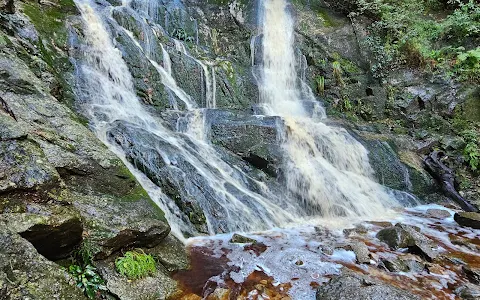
446 179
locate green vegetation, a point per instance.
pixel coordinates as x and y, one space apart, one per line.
442 37
320 83
84 273
88 280
135 264
181 35
471 151
337 73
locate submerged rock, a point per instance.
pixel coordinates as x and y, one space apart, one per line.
469 219
353 286
438 213
468 291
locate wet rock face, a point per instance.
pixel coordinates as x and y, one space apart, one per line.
469 219
59 185
24 167
7 6
352 286
253 138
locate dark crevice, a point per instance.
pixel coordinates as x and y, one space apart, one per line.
260 163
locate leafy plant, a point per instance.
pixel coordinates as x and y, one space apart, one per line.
415 33
320 81
88 280
135 264
468 64
471 152
181 35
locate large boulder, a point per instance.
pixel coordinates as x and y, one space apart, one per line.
254 138
54 230
25 274
406 236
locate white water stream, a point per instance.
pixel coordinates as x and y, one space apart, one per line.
325 167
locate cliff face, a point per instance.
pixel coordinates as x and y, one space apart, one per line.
62 190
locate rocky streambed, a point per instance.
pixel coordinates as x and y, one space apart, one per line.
417 253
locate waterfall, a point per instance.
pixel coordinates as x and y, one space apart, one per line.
202 189
107 96
325 167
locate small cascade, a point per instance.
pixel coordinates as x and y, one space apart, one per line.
209 78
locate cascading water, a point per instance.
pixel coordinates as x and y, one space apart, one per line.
106 90
327 171
325 167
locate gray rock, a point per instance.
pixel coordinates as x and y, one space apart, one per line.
254 138
438 213
361 251
394 236
54 233
468 219
395 265
24 167
403 236
240 239
158 286
7 6
468 291
112 225
25 274
169 253
353 286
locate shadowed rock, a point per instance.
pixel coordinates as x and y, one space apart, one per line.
406 236
469 219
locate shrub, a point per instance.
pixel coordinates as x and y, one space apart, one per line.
88 280
471 152
135 264
407 32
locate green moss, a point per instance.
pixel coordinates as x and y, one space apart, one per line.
328 21
50 22
136 264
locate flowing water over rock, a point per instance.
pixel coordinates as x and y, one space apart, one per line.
325 172
215 196
326 168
